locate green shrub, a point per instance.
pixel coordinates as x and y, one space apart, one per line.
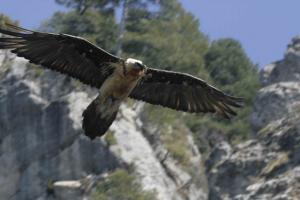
121 185
175 141
110 138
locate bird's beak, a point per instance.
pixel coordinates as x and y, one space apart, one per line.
143 71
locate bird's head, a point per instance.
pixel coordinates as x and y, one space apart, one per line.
135 67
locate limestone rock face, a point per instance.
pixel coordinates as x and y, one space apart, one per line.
44 154
280 94
267 166
263 168
285 70
40 139
274 102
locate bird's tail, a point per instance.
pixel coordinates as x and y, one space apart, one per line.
98 116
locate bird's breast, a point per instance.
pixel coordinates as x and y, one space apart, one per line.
118 86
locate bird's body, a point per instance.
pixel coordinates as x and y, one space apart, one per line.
122 81
113 91
115 78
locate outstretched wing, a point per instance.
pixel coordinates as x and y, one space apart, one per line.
70 55
183 92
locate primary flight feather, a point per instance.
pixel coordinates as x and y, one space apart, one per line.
116 78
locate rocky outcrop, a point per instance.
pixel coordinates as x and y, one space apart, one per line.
44 154
263 168
268 165
274 102
285 70
281 92
41 140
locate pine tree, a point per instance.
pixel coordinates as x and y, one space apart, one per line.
98 28
167 37
5 19
232 71
103 6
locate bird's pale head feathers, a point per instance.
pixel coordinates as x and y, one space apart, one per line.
130 62
135 66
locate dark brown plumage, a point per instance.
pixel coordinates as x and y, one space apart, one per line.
70 55
183 92
116 78
93 121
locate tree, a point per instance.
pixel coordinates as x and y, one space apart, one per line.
167 38
121 185
5 19
232 71
104 6
97 28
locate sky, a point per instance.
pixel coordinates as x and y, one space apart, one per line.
264 27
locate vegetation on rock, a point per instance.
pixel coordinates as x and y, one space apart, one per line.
121 185
232 71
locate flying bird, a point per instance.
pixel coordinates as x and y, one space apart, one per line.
115 77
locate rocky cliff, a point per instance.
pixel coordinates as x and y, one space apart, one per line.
44 155
268 165
280 95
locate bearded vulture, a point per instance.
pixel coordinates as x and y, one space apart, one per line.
116 78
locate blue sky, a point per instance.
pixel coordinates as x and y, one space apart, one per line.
264 27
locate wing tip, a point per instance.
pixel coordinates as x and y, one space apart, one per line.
229 103
233 101
14 30
17 28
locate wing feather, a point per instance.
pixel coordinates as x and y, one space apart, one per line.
183 92
70 55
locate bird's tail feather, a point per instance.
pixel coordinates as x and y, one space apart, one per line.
98 117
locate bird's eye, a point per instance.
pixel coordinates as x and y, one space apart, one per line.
139 65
